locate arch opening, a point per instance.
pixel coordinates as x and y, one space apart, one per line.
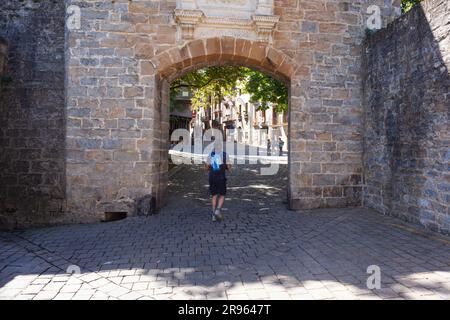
205 53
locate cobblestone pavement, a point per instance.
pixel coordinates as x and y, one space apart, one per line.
260 251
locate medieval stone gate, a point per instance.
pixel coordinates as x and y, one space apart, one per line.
316 52
118 58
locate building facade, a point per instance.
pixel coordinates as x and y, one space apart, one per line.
239 119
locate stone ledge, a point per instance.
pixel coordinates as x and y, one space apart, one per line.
190 20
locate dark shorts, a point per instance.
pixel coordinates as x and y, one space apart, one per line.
217 186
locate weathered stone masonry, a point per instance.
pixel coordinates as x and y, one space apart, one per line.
32 131
118 67
407 105
122 58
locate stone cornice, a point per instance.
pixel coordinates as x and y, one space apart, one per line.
265 25
188 20
233 22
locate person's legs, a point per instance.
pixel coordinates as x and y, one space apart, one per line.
219 206
214 206
218 190
222 190
214 202
221 201
213 191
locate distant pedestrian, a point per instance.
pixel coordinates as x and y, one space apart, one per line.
280 145
269 147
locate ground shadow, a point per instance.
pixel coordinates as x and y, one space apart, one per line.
261 250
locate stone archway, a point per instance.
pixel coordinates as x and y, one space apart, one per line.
116 134
196 54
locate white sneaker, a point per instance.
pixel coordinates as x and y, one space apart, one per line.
213 215
218 215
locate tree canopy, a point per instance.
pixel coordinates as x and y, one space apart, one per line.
208 83
214 83
408 4
264 89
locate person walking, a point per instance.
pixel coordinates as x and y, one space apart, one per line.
280 145
269 147
217 165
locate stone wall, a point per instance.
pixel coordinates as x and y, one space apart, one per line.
124 52
117 69
3 58
32 113
407 104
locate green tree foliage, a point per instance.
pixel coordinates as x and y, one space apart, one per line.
264 89
408 4
211 85
208 84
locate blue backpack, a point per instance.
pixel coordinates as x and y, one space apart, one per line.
216 166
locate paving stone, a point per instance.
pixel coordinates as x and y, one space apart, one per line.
238 296
99 283
70 288
130 296
99 296
140 286
64 296
130 279
89 277
24 297
81 296
321 293
276 253
45 295
279 296
33 289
